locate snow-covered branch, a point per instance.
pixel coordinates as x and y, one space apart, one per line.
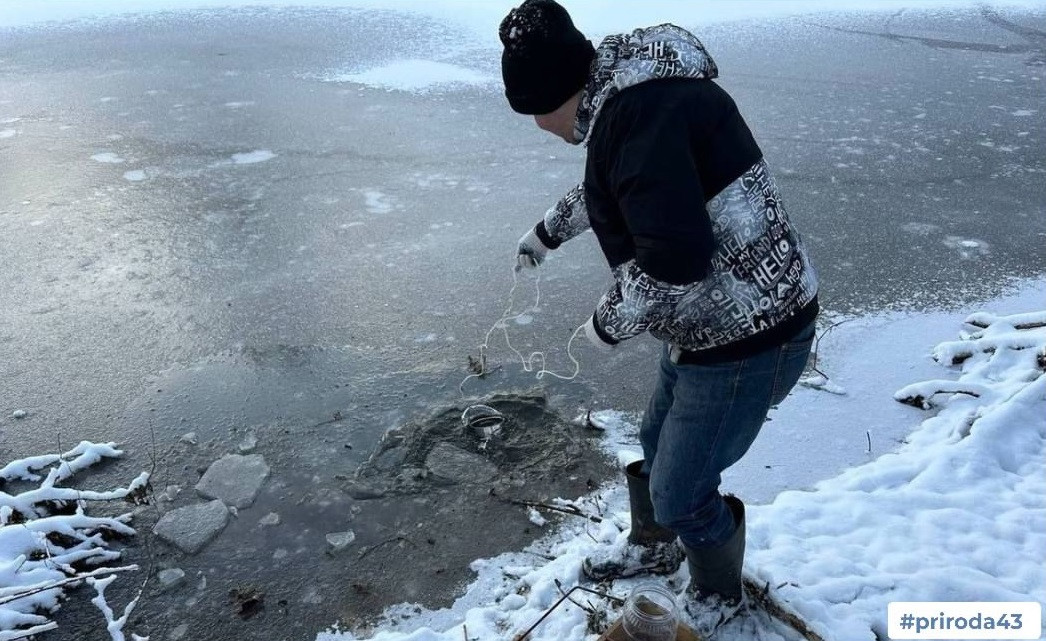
113 626
45 549
1015 332
75 460
956 352
1013 345
1029 320
921 394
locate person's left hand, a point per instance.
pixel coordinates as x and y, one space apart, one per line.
596 336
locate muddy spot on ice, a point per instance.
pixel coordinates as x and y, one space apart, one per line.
439 493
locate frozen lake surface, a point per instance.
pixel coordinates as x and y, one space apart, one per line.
297 225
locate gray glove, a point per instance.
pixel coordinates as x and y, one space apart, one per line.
595 336
531 251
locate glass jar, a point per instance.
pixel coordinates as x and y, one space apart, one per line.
650 614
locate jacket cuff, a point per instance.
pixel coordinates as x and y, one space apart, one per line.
546 239
595 334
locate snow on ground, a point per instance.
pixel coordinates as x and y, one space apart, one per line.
45 549
252 157
415 76
818 434
955 513
377 202
107 157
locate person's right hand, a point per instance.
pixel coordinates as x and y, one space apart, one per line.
531 251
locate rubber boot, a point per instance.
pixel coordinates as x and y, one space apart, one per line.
645 530
652 548
717 570
715 591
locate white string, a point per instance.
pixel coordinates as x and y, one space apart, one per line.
526 361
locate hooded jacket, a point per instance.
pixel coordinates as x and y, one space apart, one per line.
683 205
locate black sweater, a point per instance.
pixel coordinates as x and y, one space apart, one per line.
659 151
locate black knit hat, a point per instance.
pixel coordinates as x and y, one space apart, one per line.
546 59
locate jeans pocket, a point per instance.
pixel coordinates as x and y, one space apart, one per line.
791 361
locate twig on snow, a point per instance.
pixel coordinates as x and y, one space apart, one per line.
587 608
817 344
526 633
762 594
571 510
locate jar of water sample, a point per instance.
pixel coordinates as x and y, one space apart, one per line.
650 614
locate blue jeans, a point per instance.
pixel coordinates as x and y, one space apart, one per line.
701 420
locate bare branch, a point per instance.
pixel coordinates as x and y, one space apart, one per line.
761 593
571 510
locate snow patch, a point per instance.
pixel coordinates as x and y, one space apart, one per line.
416 76
377 202
7 133
913 525
108 158
967 248
921 229
252 157
821 382
536 518
135 175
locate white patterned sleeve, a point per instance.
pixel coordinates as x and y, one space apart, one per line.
564 220
634 303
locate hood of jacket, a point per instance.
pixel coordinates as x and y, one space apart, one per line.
627 59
